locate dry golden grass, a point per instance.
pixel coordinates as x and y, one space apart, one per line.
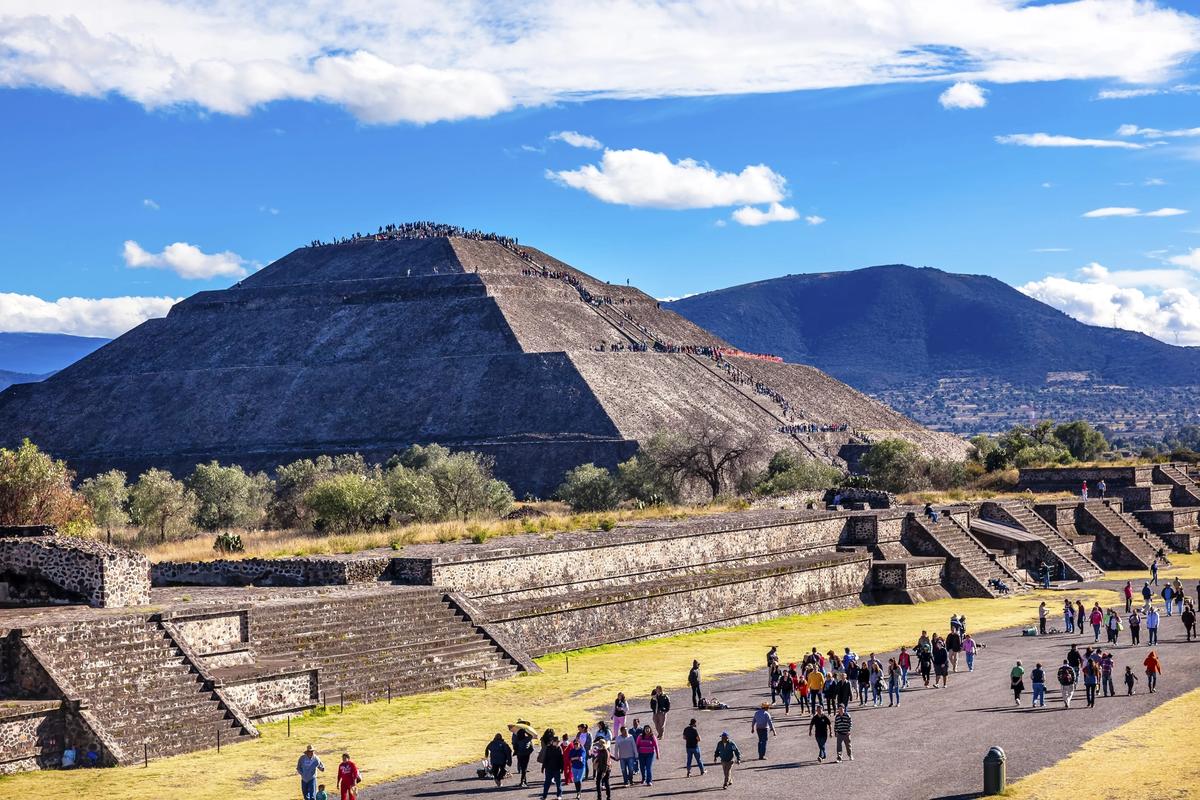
426 732
975 495
1153 756
277 543
1184 567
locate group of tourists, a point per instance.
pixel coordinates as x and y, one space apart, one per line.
309 764
1095 667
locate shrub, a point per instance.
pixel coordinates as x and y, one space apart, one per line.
790 471
35 489
107 495
607 523
589 488
226 497
348 503
159 503
228 543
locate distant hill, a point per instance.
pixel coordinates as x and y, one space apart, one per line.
38 354
9 378
887 326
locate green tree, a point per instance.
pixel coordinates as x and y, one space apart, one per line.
348 502
590 488
159 503
895 465
1186 438
292 481
792 471
982 447
465 486
419 457
107 494
226 497
642 478
412 493
1084 442
36 489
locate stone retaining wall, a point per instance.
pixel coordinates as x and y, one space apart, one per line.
642 614
31 735
300 571
65 569
267 698
1070 479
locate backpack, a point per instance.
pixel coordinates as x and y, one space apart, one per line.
1066 675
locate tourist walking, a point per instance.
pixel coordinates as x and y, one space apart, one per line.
816 686
1080 616
954 645
551 759
762 725
876 670
1135 626
1146 595
904 660
941 662
647 749
1068 617
1091 678
577 758
522 747
819 727
1154 571
499 756
1177 589
691 744
726 753
1167 593
1017 680
307 767
348 778
1066 682
602 767
1097 620
1152 626
694 682
1128 592
1075 660
1153 670
1188 617
893 678
660 704
1114 626
841 731
783 688
1130 680
1106 679
620 711
1037 679
627 755
1042 614
968 648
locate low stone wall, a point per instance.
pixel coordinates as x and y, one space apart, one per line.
65 569
909 580
1140 498
271 697
643 612
527 562
1060 515
1070 479
217 637
301 571
1169 520
31 735
1183 541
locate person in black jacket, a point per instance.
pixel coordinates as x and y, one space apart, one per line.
819 726
522 746
694 682
499 756
844 691
551 759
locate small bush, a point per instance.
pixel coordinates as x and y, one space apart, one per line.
607 523
229 543
478 535
589 488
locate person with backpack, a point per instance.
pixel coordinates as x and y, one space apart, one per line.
691 744
551 759
1167 592
726 753
1188 618
694 682
1146 595
620 711
1091 678
1153 670
1135 626
1037 679
499 756
1066 682
660 704
819 727
1016 679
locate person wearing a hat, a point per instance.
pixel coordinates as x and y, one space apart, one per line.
762 725
727 752
522 747
307 767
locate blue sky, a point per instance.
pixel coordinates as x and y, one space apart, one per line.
104 168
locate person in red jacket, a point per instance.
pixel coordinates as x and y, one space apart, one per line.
347 778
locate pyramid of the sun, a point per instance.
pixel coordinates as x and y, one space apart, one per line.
373 345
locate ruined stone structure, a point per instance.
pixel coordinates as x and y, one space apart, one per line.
371 346
37 570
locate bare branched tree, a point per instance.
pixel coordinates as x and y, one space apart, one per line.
712 455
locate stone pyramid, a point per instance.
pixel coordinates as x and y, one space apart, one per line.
374 344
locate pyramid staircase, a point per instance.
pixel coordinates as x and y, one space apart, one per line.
976 560
1184 491
146 695
1139 542
1083 568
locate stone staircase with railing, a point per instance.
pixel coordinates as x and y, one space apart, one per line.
1184 491
1084 568
396 642
142 689
1125 530
978 562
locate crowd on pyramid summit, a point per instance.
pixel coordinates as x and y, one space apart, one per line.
425 229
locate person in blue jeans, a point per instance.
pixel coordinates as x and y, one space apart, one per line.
647 747
691 742
552 764
626 752
307 767
762 726
1038 679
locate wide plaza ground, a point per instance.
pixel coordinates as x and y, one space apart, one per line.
932 746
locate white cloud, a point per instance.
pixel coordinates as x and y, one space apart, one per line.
576 139
1126 211
1156 133
422 61
1154 182
814 219
641 178
1191 259
1051 249
964 94
1047 185
1162 303
753 217
274 212
1056 140
150 204
81 316
186 261
1146 91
